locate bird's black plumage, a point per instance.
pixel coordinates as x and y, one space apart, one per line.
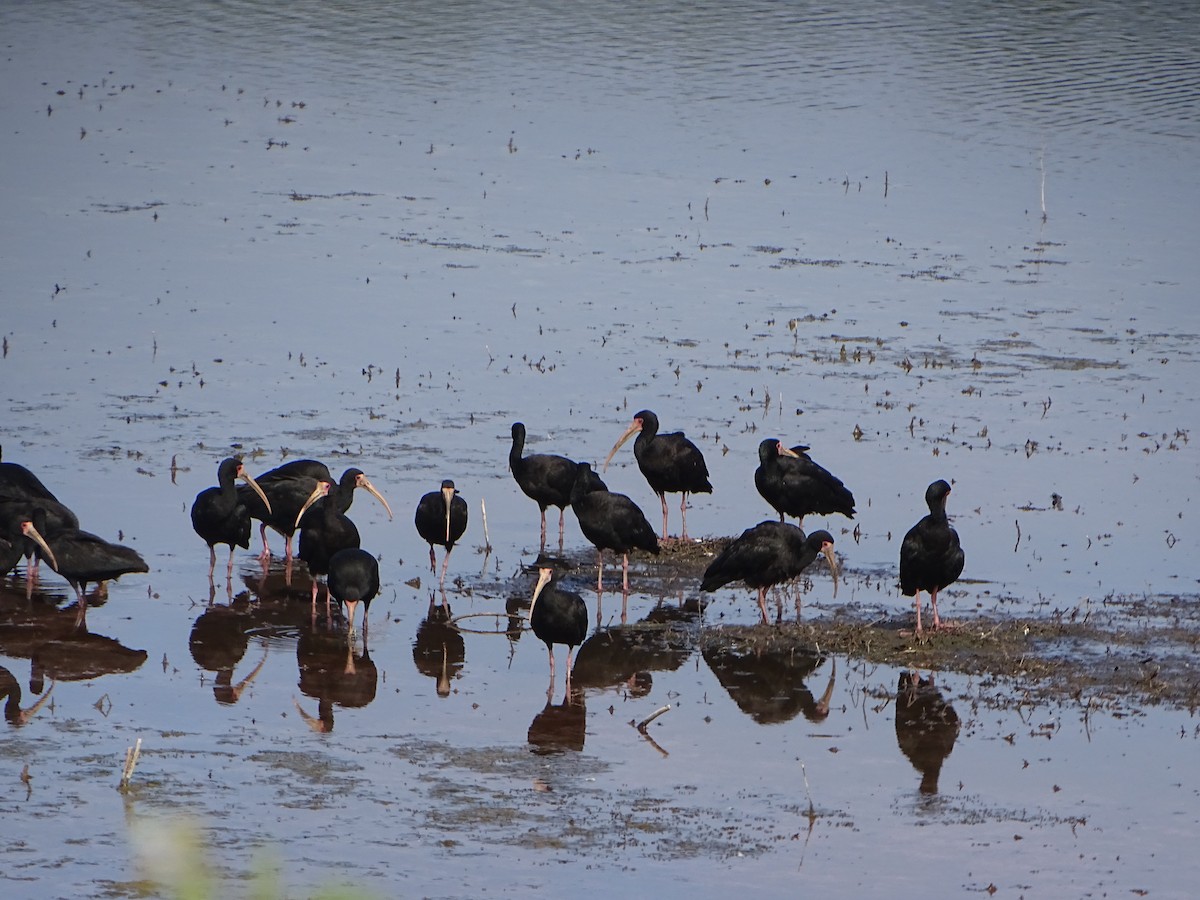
670 462
791 482
286 489
325 530
353 578
220 515
931 557
544 478
557 616
768 554
610 522
441 518
83 558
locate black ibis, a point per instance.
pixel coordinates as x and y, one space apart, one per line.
796 486
286 488
544 478
353 579
325 531
20 491
220 515
82 558
931 557
557 616
611 522
671 463
17 482
767 555
441 518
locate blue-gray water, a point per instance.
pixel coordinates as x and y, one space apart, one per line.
377 234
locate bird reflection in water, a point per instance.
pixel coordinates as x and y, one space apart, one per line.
10 690
333 671
561 727
765 677
624 656
438 648
219 638
926 727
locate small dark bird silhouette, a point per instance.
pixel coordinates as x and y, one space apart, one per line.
671 463
441 518
930 556
768 554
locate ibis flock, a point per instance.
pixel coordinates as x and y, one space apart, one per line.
303 496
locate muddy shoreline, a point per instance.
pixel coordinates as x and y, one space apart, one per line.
1118 654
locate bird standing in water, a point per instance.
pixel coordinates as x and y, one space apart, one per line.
671 463
557 616
441 518
353 578
544 478
220 516
931 557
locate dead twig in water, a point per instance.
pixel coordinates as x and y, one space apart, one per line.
641 726
487 541
131 760
1017 545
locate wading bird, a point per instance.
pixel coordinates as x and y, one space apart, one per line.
766 555
354 578
441 518
931 557
557 616
671 463
611 522
544 478
796 486
220 516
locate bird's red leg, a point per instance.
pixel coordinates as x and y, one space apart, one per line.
550 653
229 566
562 513
683 514
599 571
762 603
212 561
543 529
663 499
937 623
432 560
287 547
625 574
262 532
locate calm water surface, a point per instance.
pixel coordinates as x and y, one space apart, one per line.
377 236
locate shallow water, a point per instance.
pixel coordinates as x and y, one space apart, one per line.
377 238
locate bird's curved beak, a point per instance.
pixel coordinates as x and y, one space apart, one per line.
823 703
322 490
366 485
543 580
448 494
245 476
787 451
634 428
32 533
827 549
